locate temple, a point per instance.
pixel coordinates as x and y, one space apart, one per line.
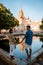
23 22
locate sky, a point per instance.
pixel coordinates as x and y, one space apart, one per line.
31 8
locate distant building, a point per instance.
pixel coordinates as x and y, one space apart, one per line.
23 22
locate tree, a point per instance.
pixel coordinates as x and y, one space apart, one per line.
41 26
7 20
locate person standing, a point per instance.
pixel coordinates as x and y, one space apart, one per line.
11 44
28 40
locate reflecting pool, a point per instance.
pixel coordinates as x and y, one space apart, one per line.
20 52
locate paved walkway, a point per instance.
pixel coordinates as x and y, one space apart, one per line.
2 62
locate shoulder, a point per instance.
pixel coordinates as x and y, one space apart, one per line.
31 32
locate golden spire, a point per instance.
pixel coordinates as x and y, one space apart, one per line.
21 14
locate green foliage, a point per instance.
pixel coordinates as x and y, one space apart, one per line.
4 44
7 20
41 26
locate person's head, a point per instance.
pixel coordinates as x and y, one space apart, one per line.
10 31
28 27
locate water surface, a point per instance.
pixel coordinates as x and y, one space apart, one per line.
20 52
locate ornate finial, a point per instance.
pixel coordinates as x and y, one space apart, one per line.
21 14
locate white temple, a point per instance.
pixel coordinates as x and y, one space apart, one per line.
23 22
